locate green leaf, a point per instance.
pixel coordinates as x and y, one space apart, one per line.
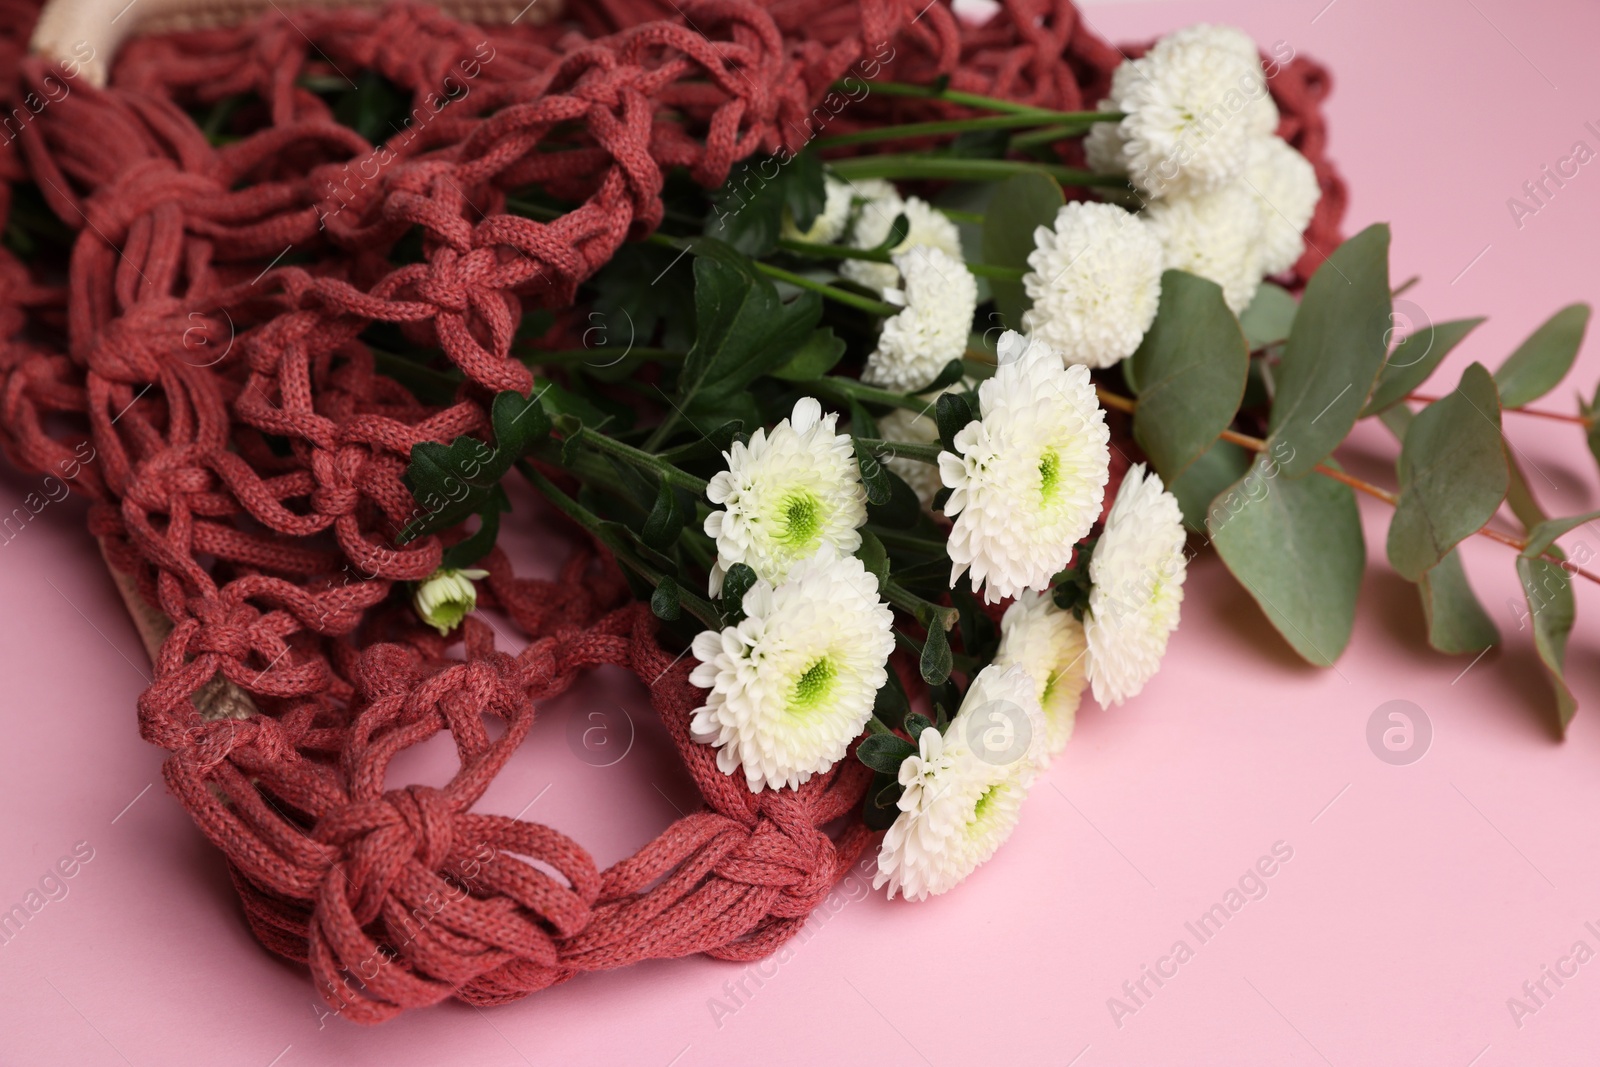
747 209
1457 623
1413 360
453 481
804 190
1452 475
891 705
1552 610
952 413
874 557
744 330
1540 362
1542 535
936 658
469 550
1269 318
665 521
642 291
1205 479
1591 412
1334 352
1191 369
1021 204
903 509
664 601
880 807
884 752
1299 551
952 373
874 475
819 354
735 584
915 724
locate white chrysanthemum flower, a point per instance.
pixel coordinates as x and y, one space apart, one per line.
1193 103
1214 235
1136 587
1095 282
964 788
1286 191
926 225
830 221
793 684
784 494
1030 473
1049 644
940 297
447 596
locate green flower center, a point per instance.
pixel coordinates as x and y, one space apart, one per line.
813 687
1049 475
800 515
982 806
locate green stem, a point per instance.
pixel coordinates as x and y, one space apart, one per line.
645 461
953 96
924 611
864 303
854 390
972 218
988 122
872 255
698 606
898 539
902 450
968 170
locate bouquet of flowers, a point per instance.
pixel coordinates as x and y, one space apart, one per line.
849 424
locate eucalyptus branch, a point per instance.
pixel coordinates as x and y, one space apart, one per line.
1556 416
1256 444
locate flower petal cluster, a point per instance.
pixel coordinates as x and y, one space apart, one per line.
1049 644
964 787
785 494
447 596
1095 282
831 221
940 297
794 683
1136 587
880 204
1028 476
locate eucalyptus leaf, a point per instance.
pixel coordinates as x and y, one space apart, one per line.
1191 370
1205 479
1453 475
1334 352
1269 318
1299 551
1552 609
1413 360
1540 362
1021 204
1457 623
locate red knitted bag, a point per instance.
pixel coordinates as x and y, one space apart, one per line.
197 364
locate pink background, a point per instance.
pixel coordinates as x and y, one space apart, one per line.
1418 899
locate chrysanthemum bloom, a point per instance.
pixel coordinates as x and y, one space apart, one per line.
1049 644
447 596
785 494
1193 103
793 684
830 221
1095 281
1215 235
940 297
964 788
1028 476
1136 587
1286 191
927 225
908 427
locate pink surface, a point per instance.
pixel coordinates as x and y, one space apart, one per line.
1418 898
